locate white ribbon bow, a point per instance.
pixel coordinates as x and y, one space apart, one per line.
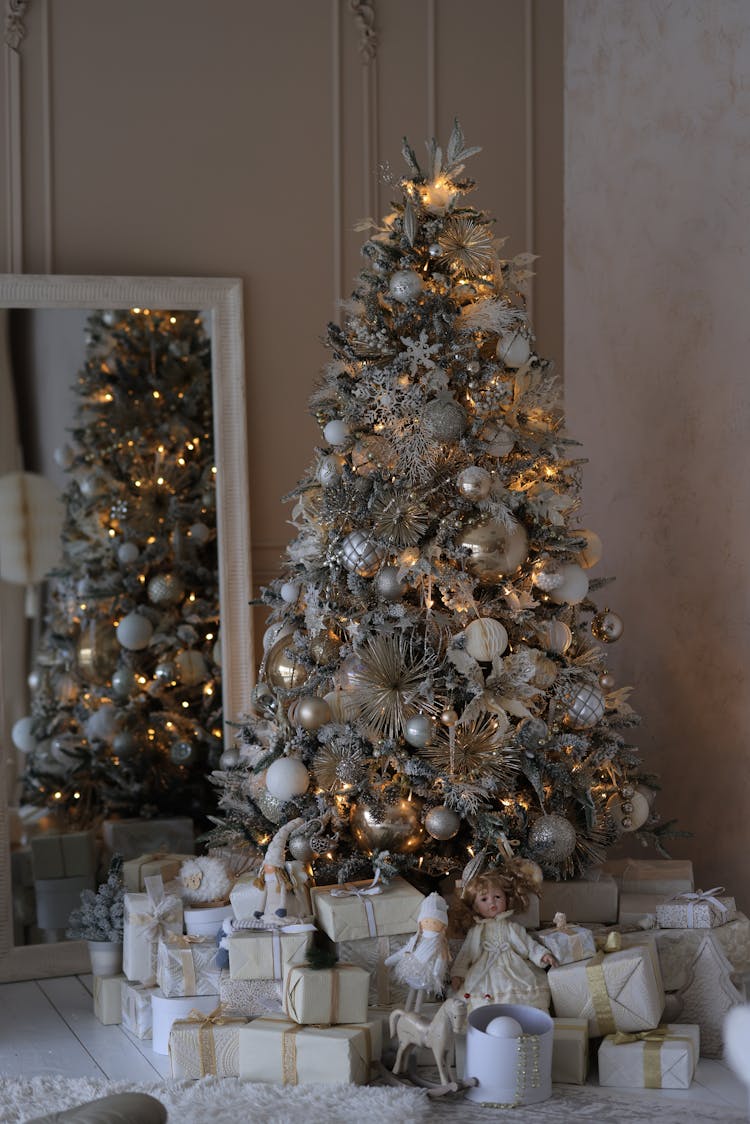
161 909
364 894
691 899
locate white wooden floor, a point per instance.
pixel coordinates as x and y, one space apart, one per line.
48 1027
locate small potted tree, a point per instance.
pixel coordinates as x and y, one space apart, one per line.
99 921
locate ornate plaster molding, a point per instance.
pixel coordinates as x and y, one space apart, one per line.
364 17
15 28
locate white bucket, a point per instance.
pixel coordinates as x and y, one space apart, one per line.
165 1011
510 1071
206 921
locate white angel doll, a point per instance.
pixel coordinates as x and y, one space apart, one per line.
422 963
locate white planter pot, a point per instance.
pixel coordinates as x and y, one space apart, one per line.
106 957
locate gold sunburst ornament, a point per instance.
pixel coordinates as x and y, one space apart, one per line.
391 675
467 246
398 519
475 750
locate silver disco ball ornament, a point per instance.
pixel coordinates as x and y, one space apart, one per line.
361 554
405 285
442 823
552 838
165 589
300 848
584 707
444 419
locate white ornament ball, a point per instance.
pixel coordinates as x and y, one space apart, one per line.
63 456
230 758
337 432
474 483
102 724
199 533
329 469
555 636
191 667
514 349
22 736
127 553
504 1027
405 285
216 653
484 639
629 814
593 550
419 730
134 632
573 587
33 679
286 778
290 591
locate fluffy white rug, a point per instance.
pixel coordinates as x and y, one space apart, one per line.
227 1101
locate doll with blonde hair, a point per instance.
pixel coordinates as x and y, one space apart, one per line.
499 962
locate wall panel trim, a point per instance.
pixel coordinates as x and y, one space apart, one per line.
15 32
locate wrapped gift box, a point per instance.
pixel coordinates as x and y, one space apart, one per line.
570 1051
206 921
248 900
187 966
252 998
204 1046
326 995
131 838
156 863
696 910
165 1012
263 954
580 900
651 876
530 917
614 991
568 943
363 909
633 907
283 1052
664 1058
148 917
136 1008
371 954
63 856
56 898
108 999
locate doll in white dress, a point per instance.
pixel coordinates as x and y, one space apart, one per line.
422 963
499 962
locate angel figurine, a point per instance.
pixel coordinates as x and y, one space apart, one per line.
499 962
422 963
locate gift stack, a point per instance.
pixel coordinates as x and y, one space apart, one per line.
63 866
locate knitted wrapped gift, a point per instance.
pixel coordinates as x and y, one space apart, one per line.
252 998
370 954
206 1045
568 943
702 909
613 990
148 917
285 1053
187 966
663 1058
366 909
326 995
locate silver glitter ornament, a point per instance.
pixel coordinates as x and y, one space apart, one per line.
165 589
360 554
405 285
389 585
396 829
272 808
494 550
607 626
300 849
474 483
442 822
444 419
230 758
532 733
419 730
584 707
552 838
330 469
183 753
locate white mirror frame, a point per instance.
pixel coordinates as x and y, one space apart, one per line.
222 298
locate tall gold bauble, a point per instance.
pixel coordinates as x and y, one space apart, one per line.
397 829
98 651
282 670
494 550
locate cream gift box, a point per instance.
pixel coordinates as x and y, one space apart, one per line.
366 909
651 876
263 954
580 900
664 1058
614 991
699 910
148 917
568 943
634 907
155 863
187 966
206 1045
207 920
63 856
326 995
108 999
134 837
285 1053
165 1012
570 1051
370 954
136 1008
252 998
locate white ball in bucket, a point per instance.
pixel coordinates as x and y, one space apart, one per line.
504 1027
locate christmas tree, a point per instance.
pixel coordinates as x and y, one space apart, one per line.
126 693
435 680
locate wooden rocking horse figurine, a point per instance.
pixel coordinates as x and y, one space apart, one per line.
413 1030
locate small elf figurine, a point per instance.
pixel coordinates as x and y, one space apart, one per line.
423 962
283 896
499 962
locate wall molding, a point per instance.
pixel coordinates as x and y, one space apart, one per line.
14 34
364 17
15 28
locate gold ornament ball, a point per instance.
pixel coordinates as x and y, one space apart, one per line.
442 823
555 636
607 626
474 483
607 681
397 829
282 670
629 814
449 717
312 712
191 667
494 550
592 551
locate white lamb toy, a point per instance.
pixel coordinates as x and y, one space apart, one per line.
205 879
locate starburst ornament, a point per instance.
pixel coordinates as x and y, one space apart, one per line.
466 245
390 676
399 519
475 750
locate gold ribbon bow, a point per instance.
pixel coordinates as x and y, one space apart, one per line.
206 1043
611 943
652 1040
289 1074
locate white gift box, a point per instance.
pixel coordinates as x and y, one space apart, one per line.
283 1052
205 1047
136 1008
148 917
263 954
697 910
568 943
208 921
166 1011
187 966
326 995
570 1051
658 1059
108 999
253 998
249 900
614 991
366 909
509 1071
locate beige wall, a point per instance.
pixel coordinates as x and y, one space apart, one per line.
657 276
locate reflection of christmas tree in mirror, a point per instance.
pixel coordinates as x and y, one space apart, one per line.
431 687
126 691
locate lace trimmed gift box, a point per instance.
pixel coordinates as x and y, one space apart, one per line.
326 996
206 1045
663 1058
187 966
366 909
698 910
283 1052
252 998
613 990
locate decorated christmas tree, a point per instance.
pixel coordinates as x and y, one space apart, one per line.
126 693
435 681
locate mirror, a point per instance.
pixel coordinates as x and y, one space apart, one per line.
220 303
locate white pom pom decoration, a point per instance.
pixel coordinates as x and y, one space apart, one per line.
573 587
337 432
504 1027
204 879
286 778
290 591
